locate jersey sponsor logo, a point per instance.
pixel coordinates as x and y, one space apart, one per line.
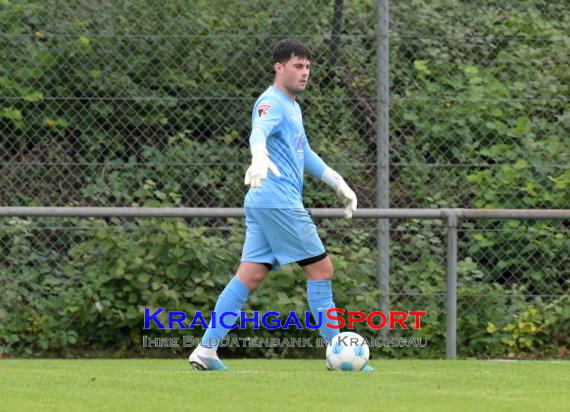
263 109
300 146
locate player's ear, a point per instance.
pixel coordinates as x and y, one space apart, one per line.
278 68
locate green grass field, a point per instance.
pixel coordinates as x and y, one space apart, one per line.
282 385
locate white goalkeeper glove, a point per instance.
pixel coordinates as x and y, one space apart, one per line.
348 197
260 164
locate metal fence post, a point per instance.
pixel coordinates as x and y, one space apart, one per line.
451 338
382 161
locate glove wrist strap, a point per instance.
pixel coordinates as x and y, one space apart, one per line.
258 148
331 178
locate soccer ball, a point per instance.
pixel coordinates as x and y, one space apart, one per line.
347 351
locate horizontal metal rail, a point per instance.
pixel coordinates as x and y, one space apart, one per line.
316 212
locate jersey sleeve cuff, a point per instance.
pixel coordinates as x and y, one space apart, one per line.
257 138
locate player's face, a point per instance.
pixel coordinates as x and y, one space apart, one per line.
294 74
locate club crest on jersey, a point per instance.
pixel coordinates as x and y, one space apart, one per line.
263 109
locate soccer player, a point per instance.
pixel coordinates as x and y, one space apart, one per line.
279 229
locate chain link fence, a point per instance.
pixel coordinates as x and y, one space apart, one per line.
141 103
101 100
70 282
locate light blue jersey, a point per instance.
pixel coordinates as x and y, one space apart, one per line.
279 118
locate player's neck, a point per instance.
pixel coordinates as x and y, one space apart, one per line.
284 90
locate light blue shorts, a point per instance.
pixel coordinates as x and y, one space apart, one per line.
280 236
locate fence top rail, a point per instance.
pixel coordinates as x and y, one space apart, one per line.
188 212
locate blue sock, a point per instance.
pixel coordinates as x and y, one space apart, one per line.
319 295
231 299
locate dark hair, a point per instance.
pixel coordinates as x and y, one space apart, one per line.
287 48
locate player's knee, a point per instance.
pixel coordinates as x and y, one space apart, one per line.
328 272
252 275
322 270
256 279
